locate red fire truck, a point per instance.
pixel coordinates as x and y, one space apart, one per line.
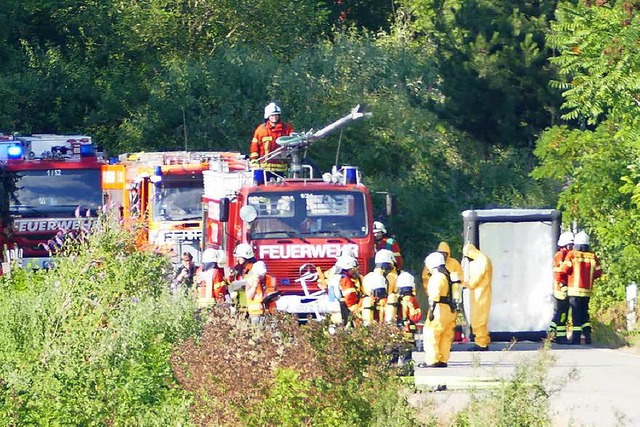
58 181
160 193
295 224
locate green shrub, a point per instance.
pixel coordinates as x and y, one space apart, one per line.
521 400
88 342
284 374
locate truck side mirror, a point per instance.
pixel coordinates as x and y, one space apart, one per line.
224 209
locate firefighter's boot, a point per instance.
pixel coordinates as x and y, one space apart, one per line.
575 337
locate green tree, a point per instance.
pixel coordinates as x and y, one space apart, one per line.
492 60
597 57
596 161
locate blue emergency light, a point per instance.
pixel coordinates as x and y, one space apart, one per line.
86 150
15 152
156 178
258 177
350 174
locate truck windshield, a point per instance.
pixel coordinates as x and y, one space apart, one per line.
303 213
178 201
55 190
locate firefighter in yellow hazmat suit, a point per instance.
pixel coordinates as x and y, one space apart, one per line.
478 281
440 323
375 291
452 265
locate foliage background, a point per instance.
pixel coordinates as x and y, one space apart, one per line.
476 104
99 340
468 97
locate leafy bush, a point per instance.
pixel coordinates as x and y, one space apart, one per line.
88 342
284 374
522 399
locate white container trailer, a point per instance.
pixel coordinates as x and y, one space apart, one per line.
521 244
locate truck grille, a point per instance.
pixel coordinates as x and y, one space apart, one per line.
287 271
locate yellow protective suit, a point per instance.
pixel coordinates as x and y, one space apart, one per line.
451 264
438 333
478 281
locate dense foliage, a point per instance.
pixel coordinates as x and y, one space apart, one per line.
287 375
99 340
89 342
171 74
461 93
595 158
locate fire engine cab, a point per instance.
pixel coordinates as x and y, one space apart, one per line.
58 188
161 193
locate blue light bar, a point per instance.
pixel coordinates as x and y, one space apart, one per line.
86 150
351 175
258 177
15 152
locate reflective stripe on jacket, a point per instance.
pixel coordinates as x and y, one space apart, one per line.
264 138
349 291
255 295
559 277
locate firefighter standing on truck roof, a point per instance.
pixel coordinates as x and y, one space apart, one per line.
479 284
439 327
212 285
558 326
383 241
582 268
264 139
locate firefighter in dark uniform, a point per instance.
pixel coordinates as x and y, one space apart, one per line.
582 268
558 327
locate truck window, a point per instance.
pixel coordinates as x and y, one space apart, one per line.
55 190
177 201
304 213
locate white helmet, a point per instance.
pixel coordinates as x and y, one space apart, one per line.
378 226
346 262
434 260
374 281
222 258
346 251
259 268
565 239
210 255
582 238
270 109
406 280
385 256
243 250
